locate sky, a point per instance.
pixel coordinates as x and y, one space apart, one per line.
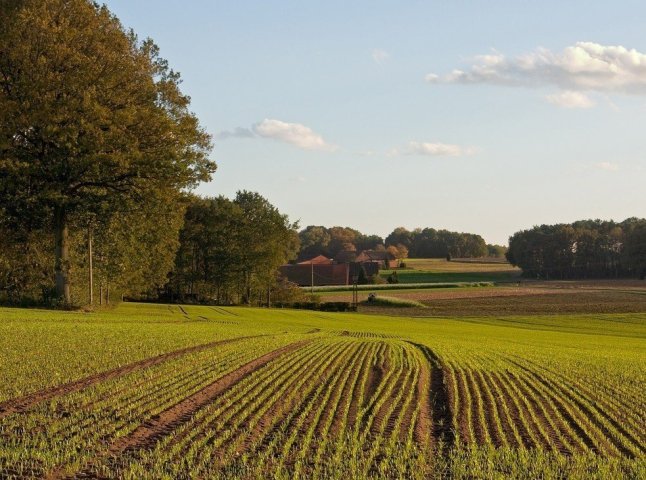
477 116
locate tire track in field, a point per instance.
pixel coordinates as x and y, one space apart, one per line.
435 417
22 404
147 434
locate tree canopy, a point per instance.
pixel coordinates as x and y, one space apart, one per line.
230 250
583 249
92 120
432 243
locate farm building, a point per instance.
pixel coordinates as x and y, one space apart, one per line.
319 260
382 257
317 271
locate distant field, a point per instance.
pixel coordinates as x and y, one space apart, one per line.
154 391
422 270
513 299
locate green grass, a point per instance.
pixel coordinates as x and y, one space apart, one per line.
575 381
431 270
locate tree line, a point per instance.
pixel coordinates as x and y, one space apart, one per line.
230 250
583 249
402 243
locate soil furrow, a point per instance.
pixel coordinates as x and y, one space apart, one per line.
517 417
146 435
436 415
505 422
490 411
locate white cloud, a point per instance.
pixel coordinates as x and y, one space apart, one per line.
434 150
608 166
380 56
585 66
293 133
570 99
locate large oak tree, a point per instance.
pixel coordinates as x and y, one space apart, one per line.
89 116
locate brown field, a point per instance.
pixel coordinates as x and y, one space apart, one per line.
603 296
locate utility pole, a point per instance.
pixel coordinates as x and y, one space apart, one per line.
312 281
89 258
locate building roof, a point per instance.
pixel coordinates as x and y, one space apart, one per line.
318 260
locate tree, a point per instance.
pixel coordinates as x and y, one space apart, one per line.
394 251
89 115
269 240
636 248
232 247
314 241
400 236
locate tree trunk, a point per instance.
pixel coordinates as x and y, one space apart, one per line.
62 254
89 259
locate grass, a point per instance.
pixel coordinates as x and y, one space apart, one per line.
429 270
326 395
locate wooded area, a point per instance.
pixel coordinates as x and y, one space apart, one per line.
95 134
583 249
418 243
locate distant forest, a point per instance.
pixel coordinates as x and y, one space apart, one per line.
583 249
419 243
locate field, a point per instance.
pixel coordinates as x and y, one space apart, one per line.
152 391
528 298
427 270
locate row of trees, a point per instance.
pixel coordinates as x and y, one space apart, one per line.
418 243
318 240
583 249
132 252
230 250
431 243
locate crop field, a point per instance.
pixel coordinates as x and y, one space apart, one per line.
152 391
528 298
426 270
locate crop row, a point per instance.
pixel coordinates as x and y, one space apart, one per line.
515 403
63 434
301 413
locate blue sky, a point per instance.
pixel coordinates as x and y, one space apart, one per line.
480 116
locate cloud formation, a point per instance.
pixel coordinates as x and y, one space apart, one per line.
570 99
292 133
585 66
380 56
431 149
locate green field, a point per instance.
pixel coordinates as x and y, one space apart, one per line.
152 391
430 270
